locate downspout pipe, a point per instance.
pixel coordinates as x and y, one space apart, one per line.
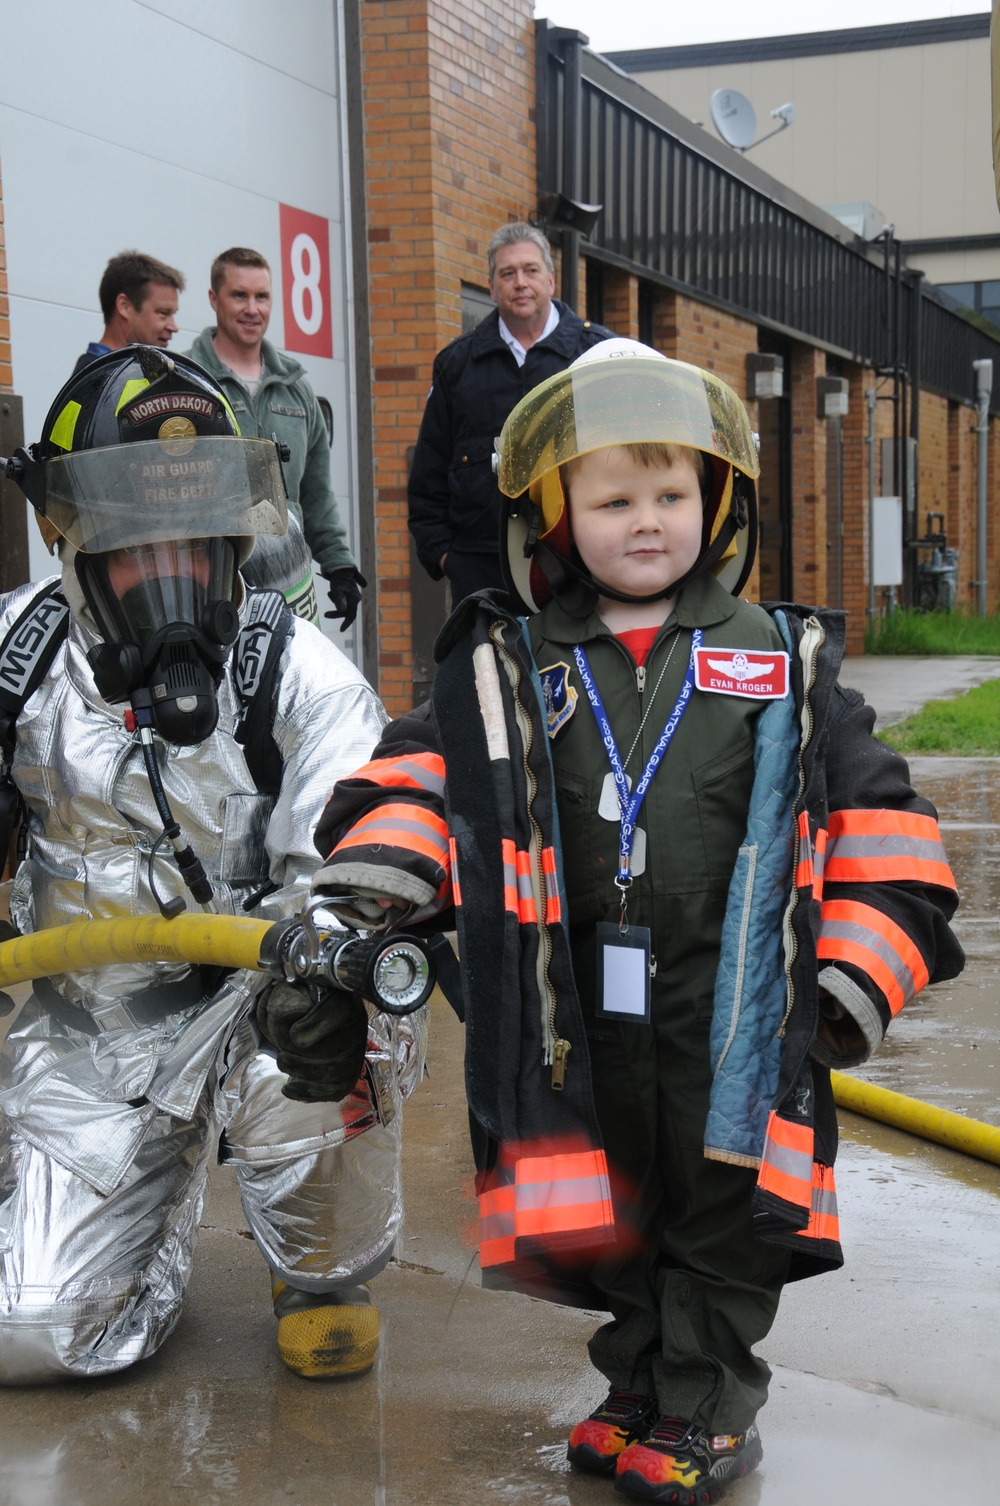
984 391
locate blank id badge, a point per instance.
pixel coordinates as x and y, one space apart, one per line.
623 973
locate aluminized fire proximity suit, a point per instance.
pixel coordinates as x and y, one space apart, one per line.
114 1093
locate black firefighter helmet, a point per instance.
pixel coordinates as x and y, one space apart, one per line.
143 475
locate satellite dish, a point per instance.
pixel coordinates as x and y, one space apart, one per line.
733 117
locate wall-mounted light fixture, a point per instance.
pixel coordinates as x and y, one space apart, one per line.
765 375
831 397
558 212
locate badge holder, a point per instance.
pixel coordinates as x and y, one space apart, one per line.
623 970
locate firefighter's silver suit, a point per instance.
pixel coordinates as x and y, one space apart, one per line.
108 1118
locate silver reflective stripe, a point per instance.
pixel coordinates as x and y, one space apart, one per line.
565 1192
424 777
824 1201
895 845
496 1226
794 1163
872 941
388 822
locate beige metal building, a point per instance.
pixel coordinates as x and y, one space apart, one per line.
895 118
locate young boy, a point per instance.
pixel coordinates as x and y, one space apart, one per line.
627 796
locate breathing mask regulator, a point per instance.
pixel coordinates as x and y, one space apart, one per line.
154 499
621 392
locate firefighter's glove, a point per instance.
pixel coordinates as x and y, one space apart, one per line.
319 1038
346 586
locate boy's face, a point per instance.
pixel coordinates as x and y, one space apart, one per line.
637 528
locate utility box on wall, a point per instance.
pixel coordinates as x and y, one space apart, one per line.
887 541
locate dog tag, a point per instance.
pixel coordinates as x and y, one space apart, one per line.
608 808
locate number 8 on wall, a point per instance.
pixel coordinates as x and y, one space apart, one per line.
305 282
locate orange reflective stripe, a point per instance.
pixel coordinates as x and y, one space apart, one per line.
496 1251
863 936
557 1194
819 863
526 908
824 1222
553 1194
804 867
410 827
496 1224
809 869
424 771
787 1162
456 893
519 887
886 846
509 858
553 898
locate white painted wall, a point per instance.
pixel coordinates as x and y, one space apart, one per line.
177 127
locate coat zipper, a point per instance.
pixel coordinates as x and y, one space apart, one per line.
812 641
555 1050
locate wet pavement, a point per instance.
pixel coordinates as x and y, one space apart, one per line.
886 1375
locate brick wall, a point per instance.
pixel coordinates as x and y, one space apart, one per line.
449 120
450 153
621 303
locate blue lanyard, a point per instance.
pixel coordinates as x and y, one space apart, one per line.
630 802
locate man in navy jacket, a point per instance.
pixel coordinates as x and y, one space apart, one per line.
454 505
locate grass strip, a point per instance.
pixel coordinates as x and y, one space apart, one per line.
968 726
910 632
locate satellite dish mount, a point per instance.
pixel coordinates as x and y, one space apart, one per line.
734 118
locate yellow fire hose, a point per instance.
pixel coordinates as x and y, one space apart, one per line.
236 941
393 972
954 1130
219 940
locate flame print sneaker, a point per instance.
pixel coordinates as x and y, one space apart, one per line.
683 1465
597 1442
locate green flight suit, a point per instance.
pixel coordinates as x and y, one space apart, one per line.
697 1289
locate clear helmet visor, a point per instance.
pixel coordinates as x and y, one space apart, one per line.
165 490
630 400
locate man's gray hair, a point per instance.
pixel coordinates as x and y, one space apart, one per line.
513 235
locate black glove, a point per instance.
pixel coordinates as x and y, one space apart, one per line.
346 585
319 1038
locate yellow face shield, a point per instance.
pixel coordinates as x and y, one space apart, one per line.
629 400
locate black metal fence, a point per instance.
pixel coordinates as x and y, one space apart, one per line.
677 211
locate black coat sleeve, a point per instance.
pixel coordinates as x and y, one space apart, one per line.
888 892
427 488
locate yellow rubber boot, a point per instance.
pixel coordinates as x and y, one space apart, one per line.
326 1335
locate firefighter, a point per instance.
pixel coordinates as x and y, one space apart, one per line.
624 786
176 730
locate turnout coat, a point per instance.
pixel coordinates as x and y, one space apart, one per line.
836 908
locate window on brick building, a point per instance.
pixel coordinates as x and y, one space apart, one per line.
476 304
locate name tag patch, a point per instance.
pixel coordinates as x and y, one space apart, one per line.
755 675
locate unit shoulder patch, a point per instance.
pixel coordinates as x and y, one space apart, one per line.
559 695
757 675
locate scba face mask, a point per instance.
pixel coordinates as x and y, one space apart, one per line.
167 614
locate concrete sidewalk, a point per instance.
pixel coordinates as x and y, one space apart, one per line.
886 1374
897 686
